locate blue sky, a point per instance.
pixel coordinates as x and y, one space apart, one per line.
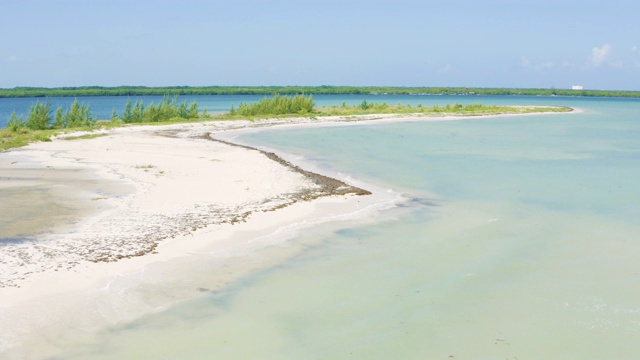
283 42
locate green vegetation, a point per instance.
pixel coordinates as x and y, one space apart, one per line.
167 110
41 125
86 136
274 106
23 136
295 90
457 109
79 116
40 118
146 168
14 124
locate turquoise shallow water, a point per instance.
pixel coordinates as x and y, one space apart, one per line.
527 248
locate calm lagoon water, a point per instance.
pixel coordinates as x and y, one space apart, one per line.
527 248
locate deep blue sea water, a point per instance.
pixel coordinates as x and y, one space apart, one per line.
528 248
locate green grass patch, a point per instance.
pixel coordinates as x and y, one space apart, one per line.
42 137
86 136
22 137
146 168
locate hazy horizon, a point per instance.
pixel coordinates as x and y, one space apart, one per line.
491 44
302 85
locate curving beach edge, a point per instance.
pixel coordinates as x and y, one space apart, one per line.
152 196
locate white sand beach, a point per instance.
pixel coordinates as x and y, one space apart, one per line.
156 197
179 194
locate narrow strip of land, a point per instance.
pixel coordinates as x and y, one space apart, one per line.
292 90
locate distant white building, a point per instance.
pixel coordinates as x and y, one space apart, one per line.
577 87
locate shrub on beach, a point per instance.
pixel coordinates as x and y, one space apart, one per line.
15 124
276 105
167 110
39 116
76 116
42 117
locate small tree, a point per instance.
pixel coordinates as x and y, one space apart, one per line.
39 116
58 123
127 116
138 111
193 110
182 111
114 116
73 116
78 116
152 113
15 123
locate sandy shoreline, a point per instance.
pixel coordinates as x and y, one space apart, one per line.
180 194
178 189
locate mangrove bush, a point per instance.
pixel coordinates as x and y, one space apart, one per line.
276 105
166 110
295 90
39 116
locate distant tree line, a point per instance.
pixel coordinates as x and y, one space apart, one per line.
296 90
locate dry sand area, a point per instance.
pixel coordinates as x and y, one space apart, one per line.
104 230
136 195
119 196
